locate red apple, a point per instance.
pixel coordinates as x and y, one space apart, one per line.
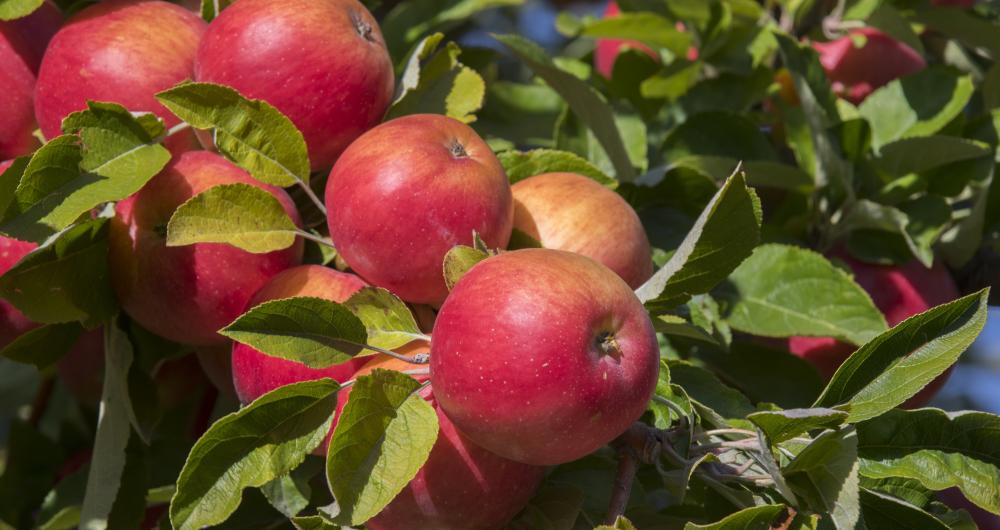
607 49
406 192
543 356
461 486
186 294
566 211
255 373
17 83
899 292
323 63
121 51
856 71
12 322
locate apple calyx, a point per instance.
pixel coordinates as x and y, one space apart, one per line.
363 28
457 149
608 346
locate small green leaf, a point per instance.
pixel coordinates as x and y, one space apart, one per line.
241 215
962 24
723 236
458 261
289 494
672 325
9 180
919 232
755 518
825 476
586 103
409 21
44 345
645 27
923 153
703 386
916 105
312 331
718 134
65 280
388 321
383 437
520 165
781 425
434 81
783 291
12 9
249 448
939 450
889 513
896 364
41 190
211 8
314 522
621 523
250 132
759 173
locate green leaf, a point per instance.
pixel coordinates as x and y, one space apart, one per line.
766 375
289 494
409 21
118 145
387 319
52 170
211 8
383 437
718 134
65 280
896 364
31 463
759 173
435 82
923 153
520 165
916 105
249 448
11 9
554 507
706 388
869 215
113 466
9 180
672 325
781 425
241 215
784 291
458 261
44 345
754 518
312 331
937 449
648 28
723 236
885 512
621 523
825 476
250 132
974 31
585 102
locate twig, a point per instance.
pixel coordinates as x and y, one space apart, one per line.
637 442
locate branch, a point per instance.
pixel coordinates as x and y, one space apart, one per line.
638 443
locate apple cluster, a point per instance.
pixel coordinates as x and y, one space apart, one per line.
539 356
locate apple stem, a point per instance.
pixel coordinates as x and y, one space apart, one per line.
318 239
637 436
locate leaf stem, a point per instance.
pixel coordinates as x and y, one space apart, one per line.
717 432
420 358
318 239
182 126
312 196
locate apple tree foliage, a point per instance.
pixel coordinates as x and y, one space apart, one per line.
734 184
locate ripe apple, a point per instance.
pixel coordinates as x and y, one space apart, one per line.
607 49
897 291
323 63
543 356
254 373
12 322
566 211
122 51
22 44
461 486
406 192
857 71
186 294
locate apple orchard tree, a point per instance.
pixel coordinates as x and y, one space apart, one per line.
319 264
